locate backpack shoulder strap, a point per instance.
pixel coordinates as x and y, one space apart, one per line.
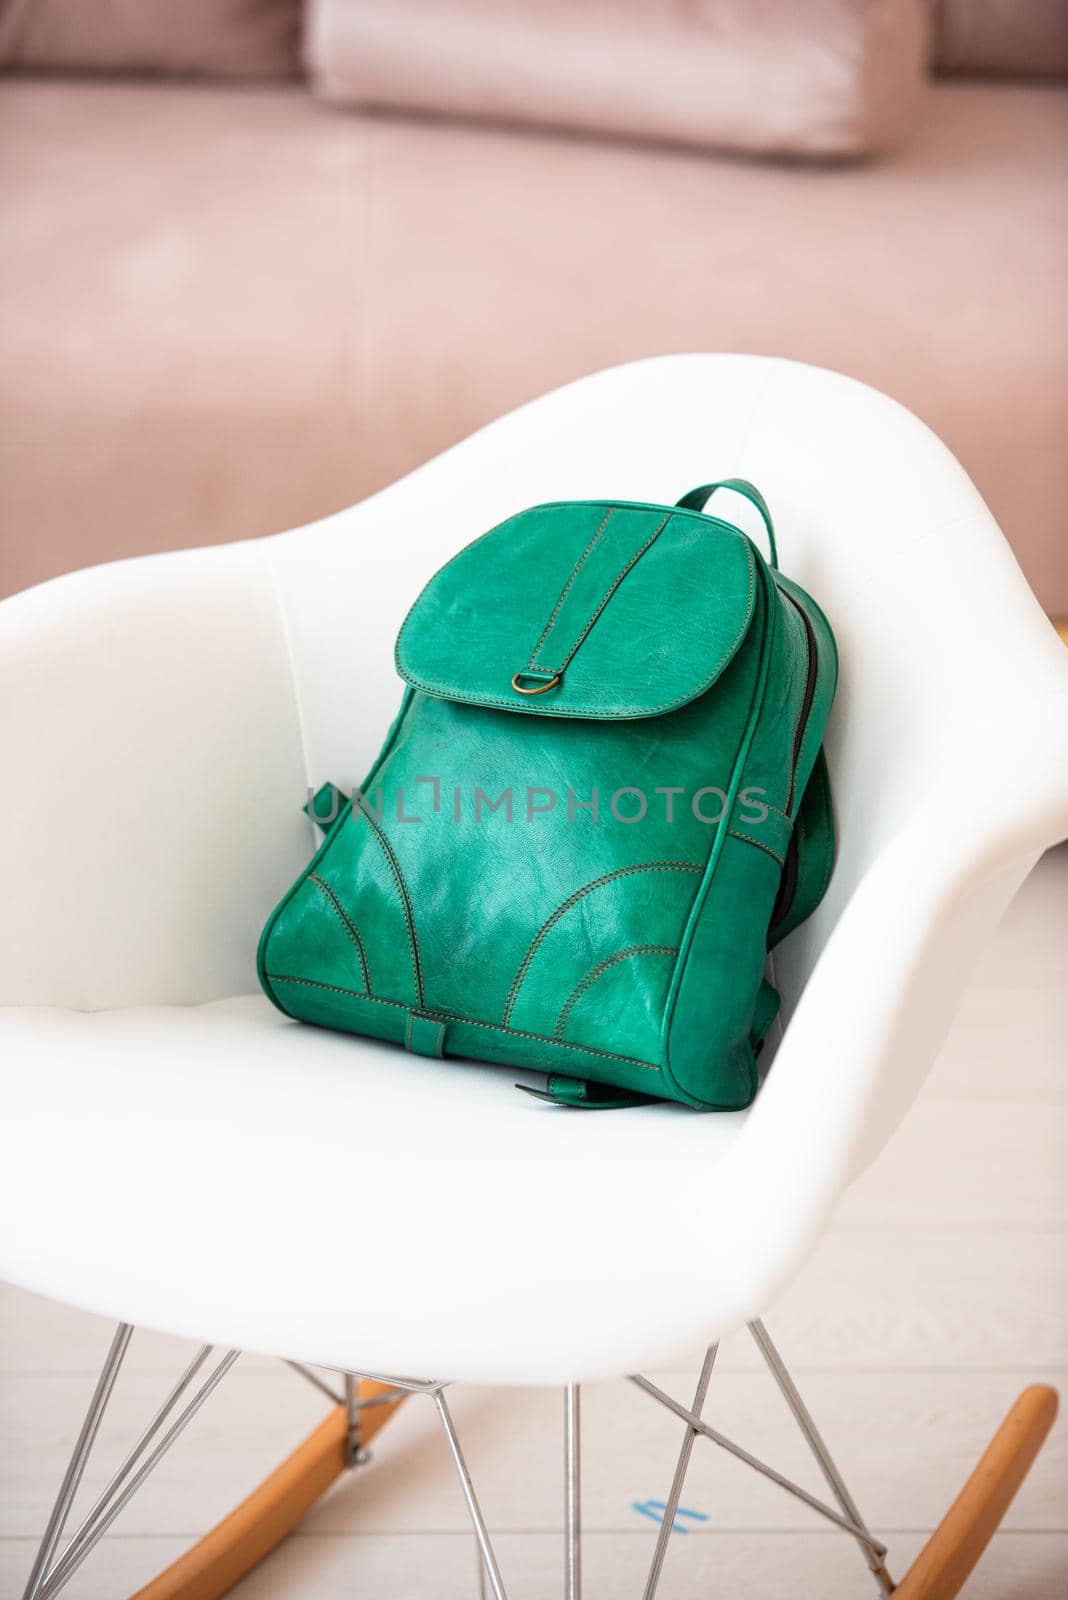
698 498
810 856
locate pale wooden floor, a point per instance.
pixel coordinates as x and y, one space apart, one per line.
941 1289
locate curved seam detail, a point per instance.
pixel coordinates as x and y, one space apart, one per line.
328 842
744 837
587 983
474 1022
779 812
564 592
573 899
402 890
348 925
279 910
610 591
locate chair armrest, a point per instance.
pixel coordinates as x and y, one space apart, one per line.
878 1006
149 808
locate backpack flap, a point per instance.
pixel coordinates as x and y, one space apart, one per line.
589 609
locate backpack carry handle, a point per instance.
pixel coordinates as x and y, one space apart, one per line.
697 498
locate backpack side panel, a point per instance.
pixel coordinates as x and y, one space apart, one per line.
810 859
710 1060
713 1025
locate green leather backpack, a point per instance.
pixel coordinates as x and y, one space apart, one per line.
601 803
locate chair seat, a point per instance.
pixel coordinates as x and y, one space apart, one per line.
222 1172
217 1170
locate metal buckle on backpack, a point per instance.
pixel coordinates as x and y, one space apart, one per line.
533 672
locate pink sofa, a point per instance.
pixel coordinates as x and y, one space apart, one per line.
226 308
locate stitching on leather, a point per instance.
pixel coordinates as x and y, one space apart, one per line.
337 988
573 899
599 970
406 903
546 505
734 834
704 517
541 1038
785 815
610 591
474 1022
424 1016
348 925
564 593
603 711
757 700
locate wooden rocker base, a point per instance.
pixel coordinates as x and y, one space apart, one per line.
943 1565
212 1566
254 1528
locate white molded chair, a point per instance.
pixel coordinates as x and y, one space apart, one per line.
169 1139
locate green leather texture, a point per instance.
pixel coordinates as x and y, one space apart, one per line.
622 566
583 878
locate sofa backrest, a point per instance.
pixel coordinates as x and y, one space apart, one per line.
196 38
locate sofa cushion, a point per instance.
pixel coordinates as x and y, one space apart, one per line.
1002 37
828 78
210 38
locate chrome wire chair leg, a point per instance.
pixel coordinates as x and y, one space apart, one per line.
832 1476
63 1566
355 1454
50 1575
474 1511
481 1572
762 1467
75 1554
668 1524
73 1476
317 1382
572 1493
